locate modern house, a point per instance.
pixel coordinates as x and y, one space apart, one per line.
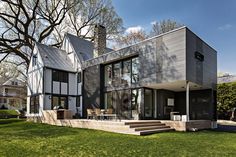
172 72
13 94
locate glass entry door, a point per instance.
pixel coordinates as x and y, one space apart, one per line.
148 103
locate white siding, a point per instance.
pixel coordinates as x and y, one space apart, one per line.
79 88
47 80
47 102
72 104
56 87
72 84
63 88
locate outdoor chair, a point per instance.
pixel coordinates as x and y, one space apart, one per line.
90 113
109 111
97 113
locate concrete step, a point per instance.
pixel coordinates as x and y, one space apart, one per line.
141 122
150 127
145 124
148 132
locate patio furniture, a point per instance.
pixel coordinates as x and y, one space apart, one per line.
90 113
109 111
98 113
64 114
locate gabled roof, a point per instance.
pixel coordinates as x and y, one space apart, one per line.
55 58
83 48
13 82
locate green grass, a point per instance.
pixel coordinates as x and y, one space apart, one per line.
9 113
20 138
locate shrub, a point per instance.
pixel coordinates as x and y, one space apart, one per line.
226 99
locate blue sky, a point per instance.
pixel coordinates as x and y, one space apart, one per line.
212 20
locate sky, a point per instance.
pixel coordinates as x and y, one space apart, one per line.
214 21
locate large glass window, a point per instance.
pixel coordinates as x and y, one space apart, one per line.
135 71
124 72
148 103
126 76
78 101
108 75
108 100
135 103
79 77
117 73
34 104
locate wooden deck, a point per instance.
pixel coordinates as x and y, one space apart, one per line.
134 127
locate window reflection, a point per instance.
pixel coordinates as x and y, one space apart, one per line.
135 67
124 72
126 77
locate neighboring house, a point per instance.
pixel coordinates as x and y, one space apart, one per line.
13 94
174 71
226 79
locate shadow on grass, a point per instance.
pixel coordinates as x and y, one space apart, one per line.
9 121
226 128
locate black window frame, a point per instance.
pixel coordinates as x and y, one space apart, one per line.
34 104
59 101
60 76
79 77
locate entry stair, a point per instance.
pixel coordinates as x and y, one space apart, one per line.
146 127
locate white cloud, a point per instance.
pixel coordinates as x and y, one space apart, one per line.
225 27
134 29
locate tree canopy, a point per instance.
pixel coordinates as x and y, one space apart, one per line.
23 23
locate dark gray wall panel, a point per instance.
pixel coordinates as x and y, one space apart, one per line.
207 74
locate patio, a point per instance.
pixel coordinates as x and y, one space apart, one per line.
134 127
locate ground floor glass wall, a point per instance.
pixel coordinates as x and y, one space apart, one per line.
124 103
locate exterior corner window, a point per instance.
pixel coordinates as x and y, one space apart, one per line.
126 75
79 77
135 70
55 75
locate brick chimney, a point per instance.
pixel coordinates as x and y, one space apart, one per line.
99 40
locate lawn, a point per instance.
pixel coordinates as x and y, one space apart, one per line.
20 138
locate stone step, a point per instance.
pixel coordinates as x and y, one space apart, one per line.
145 124
150 128
141 122
148 132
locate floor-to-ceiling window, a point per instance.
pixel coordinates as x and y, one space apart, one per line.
126 74
148 103
135 103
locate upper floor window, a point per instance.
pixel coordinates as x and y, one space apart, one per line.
60 76
79 77
124 72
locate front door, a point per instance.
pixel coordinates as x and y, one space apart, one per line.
148 104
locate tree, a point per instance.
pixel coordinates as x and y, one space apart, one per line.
25 22
226 99
130 38
164 26
139 34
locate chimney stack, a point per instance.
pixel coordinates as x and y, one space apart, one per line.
99 40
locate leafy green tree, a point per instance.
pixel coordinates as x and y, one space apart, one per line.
226 99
